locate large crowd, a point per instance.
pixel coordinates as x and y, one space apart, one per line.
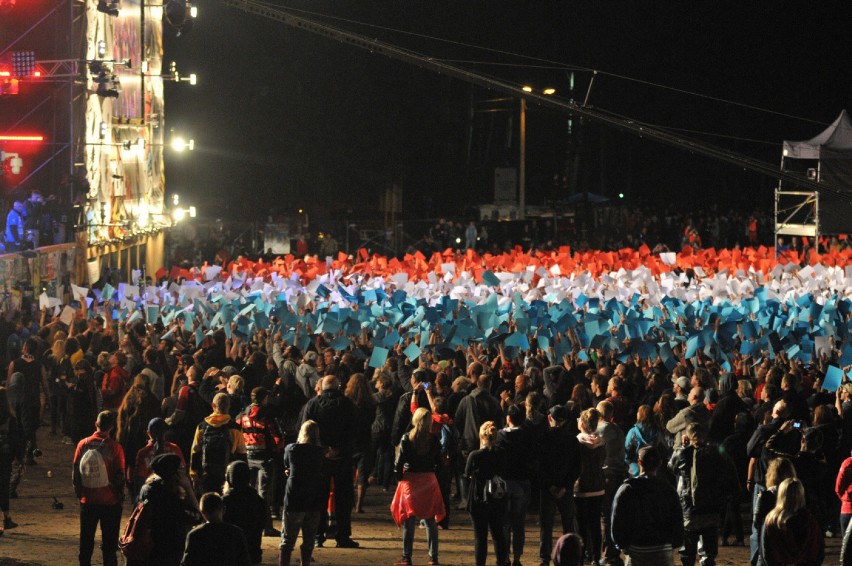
649 408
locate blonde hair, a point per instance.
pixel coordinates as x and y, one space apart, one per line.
236 382
486 434
779 469
58 350
309 433
589 420
421 423
791 500
103 360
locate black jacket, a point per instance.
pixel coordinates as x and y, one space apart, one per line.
722 419
384 415
716 475
517 443
477 408
306 489
214 544
335 415
559 459
646 512
482 465
755 449
408 460
402 417
171 519
248 511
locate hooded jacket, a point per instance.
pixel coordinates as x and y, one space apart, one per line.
590 483
715 474
238 445
335 415
646 513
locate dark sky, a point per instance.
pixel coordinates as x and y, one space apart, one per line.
284 119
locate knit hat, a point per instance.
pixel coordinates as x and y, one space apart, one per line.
166 465
238 474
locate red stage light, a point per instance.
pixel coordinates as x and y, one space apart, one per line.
22 138
5 74
36 73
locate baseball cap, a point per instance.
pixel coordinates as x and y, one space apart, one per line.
310 356
559 413
683 383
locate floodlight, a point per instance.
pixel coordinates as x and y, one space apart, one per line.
179 144
179 214
101 49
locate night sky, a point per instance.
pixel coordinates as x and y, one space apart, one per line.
284 119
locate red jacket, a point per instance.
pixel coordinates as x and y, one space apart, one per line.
146 454
261 433
113 457
114 387
843 486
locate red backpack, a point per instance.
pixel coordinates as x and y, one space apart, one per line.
135 541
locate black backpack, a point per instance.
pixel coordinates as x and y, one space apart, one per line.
215 448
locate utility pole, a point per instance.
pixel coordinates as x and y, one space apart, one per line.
522 162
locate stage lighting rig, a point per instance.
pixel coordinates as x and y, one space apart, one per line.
23 63
110 9
14 163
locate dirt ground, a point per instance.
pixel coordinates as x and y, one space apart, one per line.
49 537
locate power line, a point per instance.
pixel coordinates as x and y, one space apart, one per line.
559 64
637 128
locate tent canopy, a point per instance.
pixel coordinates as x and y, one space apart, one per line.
836 137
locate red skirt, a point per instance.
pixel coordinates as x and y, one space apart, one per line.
417 495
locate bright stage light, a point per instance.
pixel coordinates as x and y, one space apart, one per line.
193 12
180 145
193 79
101 49
548 91
192 212
179 214
526 88
175 199
22 138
